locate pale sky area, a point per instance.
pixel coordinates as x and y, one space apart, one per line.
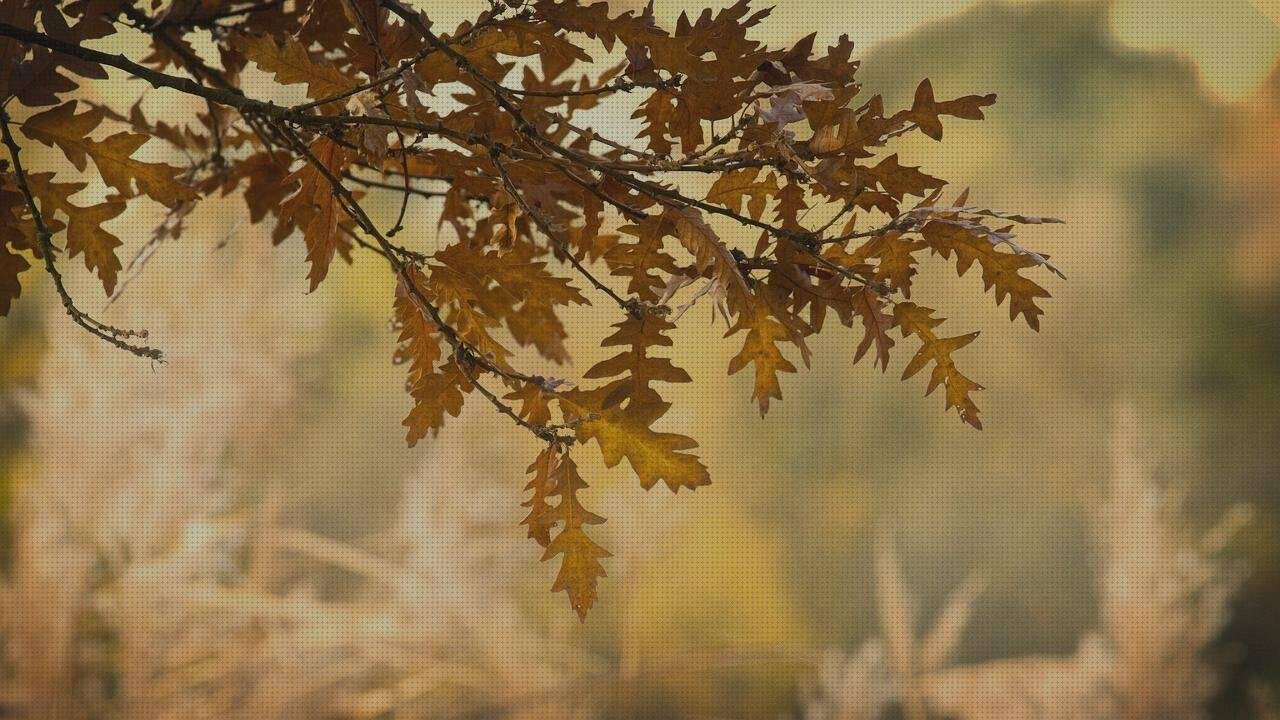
1235 42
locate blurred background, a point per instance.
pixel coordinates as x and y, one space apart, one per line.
243 533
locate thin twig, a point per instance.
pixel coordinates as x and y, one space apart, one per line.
466 354
113 335
401 67
543 224
619 85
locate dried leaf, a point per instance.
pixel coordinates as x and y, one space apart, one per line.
69 132
317 209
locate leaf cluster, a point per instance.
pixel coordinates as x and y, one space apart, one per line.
537 209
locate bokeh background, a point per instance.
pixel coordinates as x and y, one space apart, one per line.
242 532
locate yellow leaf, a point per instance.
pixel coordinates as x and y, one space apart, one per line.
625 432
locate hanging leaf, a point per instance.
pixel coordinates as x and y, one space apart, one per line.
915 320
556 478
317 209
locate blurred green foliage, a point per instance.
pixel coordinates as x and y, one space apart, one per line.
1081 115
20 347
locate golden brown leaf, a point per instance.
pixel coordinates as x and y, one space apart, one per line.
317 209
556 476
290 63
760 348
927 112
1000 270
918 321
69 132
876 323
737 187
435 395
624 431
84 225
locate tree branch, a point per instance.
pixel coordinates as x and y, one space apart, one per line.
631 306
467 355
233 98
113 335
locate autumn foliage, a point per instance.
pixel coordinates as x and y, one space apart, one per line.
488 126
